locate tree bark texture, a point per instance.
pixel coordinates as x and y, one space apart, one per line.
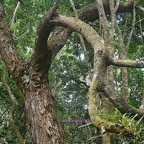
41 110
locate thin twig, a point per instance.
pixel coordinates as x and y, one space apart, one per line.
141 8
12 98
141 32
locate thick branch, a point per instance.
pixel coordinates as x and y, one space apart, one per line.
93 38
44 30
42 56
58 39
97 116
8 51
81 27
127 63
90 12
97 42
87 13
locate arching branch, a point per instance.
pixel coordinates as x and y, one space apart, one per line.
81 27
99 78
41 59
87 13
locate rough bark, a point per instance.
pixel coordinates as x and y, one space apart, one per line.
31 79
108 30
88 13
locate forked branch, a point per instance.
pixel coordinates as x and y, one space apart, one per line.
99 74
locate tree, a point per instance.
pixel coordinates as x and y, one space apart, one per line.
31 77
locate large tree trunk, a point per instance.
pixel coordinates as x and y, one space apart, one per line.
41 111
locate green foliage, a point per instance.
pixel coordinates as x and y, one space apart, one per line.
128 122
133 125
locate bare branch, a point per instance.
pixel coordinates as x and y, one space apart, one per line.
87 13
102 14
141 8
14 13
97 115
120 103
113 10
42 56
127 63
44 30
81 27
58 39
93 38
8 51
90 12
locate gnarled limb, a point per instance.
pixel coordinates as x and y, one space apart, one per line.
120 103
87 13
58 40
77 25
99 77
42 56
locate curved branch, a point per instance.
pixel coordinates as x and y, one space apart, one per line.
81 27
87 13
120 103
98 118
58 39
41 59
98 44
44 29
127 63
100 66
